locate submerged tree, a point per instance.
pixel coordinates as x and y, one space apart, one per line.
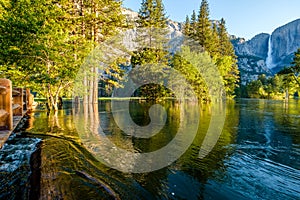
151 41
43 43
227 61
214 38
38 48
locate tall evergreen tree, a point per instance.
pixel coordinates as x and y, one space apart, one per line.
226 47
187 26
215 41
102 20
193 25
151 41
294 69
151 24
227 61
204 30
160 15
296 61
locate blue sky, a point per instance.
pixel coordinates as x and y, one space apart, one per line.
244 18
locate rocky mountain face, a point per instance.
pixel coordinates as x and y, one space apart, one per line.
285 42
252 55
175 31
267 54
263 54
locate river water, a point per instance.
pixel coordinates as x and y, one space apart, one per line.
257 156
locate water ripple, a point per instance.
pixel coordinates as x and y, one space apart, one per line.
261 178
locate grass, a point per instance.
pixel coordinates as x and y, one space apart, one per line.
100 98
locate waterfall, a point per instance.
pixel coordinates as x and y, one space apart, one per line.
269 60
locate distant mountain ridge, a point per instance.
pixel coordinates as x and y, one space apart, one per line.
252 54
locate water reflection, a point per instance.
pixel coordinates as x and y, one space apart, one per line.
190 163
256 157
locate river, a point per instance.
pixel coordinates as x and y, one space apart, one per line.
257 155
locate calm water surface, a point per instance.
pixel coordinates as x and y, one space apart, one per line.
256 157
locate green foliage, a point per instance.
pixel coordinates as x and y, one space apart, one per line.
226 47
151 14
296 61
151 40
282 85
203 27
156 74
149 59
192 76
215 40
277 87
193 30
294 69
229 71
187 26
149 56
43 43
255 89
215 46
198 69
151 24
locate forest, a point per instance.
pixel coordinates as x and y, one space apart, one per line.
43 43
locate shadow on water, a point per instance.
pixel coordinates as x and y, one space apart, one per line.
256 157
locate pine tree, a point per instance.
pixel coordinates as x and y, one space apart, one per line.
187 26
103 20
193 25
151 24
296 61
151 33
203 28
294 69
151 40
160 15
227 61
191 73
226 47
215 41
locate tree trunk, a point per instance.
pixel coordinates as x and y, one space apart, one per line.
52 101
95 88
85 85
85 80
95 68
91 86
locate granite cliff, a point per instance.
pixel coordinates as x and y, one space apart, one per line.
263 54
285 42
267 54
252 55
175 32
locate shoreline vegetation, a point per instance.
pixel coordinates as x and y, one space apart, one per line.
45 43
69 100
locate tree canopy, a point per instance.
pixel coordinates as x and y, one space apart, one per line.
43 43
214 38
